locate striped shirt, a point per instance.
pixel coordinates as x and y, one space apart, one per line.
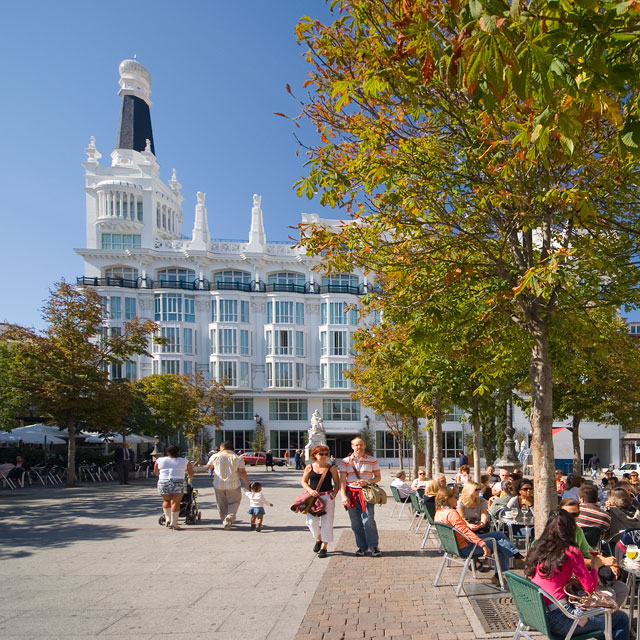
225 467
592 516
366 466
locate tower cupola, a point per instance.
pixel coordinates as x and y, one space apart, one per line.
135 117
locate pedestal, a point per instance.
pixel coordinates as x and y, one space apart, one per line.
319 438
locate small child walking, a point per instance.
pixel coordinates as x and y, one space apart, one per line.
256 505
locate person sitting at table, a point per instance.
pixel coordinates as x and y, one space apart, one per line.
591 515
616 588
523 497
559 482
399 483
485 489
430 491
19 468
497 486
551 563
493 476
441 479
446 503
501 501
607 476
463 474
572 485
421 481
623 514
473 508
633 481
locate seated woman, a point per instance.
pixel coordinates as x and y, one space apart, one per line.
550 564
523 498
446 503
623 514
430 490
507 493
463 474
485 489
572 485
421 481
473 508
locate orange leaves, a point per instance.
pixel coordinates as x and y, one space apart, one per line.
427 68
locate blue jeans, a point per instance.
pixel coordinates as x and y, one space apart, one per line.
560 624
506 548
363 525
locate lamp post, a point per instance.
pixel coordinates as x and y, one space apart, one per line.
509 460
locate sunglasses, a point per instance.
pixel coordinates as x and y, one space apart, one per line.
526 488
422 474
322 454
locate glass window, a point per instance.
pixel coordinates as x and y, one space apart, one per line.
340 279
187 367
451 443
287 277
126 273
283 374
131 370
290 441
283 345
300 343
214 308
177 275
288 409
269 312
189 309
244 311
129 308
299 312
227 341
300 374
228 310
172 336
187 341
166 366
240 409
116 307
228 371
455 415
241 440
121 241
139 208
338 343
340 410
168 307
232 277
212 340
269 342
387 446
244 342
244 375
284 311
323 313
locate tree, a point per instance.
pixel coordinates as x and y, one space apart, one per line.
484 147
12 399
65 368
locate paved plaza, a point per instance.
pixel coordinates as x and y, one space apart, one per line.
93 562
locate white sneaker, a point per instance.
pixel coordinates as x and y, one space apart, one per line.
227 523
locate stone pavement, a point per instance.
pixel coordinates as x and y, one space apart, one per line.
93 562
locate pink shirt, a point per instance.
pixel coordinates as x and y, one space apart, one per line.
574 564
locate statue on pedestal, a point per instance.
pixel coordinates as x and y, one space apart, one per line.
317 434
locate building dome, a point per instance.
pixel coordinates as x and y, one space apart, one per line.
135 80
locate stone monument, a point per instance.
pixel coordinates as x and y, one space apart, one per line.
317 434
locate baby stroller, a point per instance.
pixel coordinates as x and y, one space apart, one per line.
188 507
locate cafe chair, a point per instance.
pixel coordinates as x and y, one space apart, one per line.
532 612
429 515
398 500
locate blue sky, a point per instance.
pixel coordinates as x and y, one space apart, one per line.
219 72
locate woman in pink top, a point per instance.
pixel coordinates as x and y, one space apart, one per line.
550 564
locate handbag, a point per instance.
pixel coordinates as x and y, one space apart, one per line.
582 600
372 493
306 503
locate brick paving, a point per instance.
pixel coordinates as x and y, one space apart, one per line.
391 597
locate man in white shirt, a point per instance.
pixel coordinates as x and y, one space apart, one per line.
228 469
404 490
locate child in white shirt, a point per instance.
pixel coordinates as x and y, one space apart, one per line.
256 505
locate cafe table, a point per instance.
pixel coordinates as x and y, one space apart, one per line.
524 522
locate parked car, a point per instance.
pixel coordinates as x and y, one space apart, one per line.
259 457
627 467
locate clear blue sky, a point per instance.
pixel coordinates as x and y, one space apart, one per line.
219 71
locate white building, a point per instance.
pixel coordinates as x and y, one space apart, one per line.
254 312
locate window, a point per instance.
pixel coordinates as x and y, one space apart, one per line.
279 374
214 310
244 375
288 409
116 308
172 336
115 371
130 370
244 311
227 341
166 366
287 277
300 343
177 275
387 446
339 313
187 341
290 441
299 312
282 343
269 312
241 440
339 409
187 367
455 415
340 280
331 375
121 241
338 343
244 342
232 277
300 374
168 307
129 308
228 373
127 273
189 309
284 311
228 310
451 443
239 409
139 209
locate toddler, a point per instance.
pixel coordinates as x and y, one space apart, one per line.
256 505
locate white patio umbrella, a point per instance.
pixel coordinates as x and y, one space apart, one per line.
132 438
44 429
30 438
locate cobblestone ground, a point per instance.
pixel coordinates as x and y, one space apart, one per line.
389 597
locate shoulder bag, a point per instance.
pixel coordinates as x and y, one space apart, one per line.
372 493
579 598
306 503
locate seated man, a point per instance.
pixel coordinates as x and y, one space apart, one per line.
496 489
18 470
404 490
591 515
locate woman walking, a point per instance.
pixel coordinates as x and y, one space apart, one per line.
171 470
321 480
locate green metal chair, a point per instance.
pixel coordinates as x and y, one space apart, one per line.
429 514
418 511
532 612
398 500
447 535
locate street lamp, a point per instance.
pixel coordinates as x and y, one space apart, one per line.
367 421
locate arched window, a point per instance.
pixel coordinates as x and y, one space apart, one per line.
177 275
340 279
287 277
128 273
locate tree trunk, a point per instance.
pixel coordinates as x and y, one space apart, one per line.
438 466
400 458
540 376
71 451
577 455
415 445
428 458
475 423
